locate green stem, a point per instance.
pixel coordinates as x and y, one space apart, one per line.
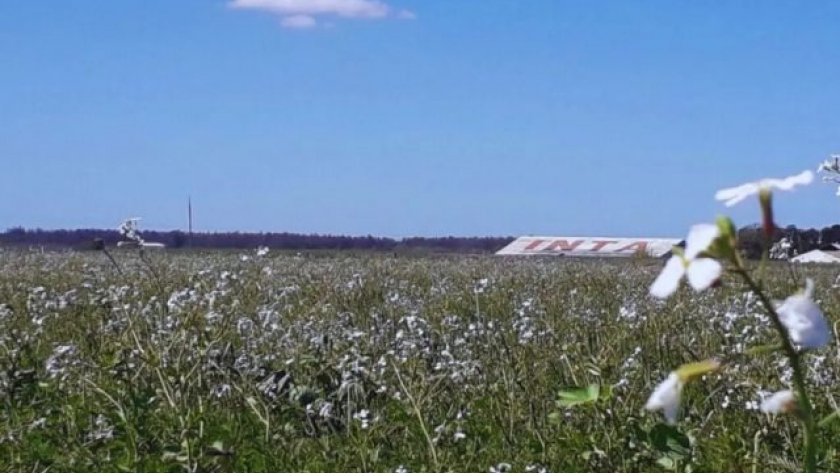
806 414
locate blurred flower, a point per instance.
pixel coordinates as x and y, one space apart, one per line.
701 272
779 403
501 468
830 165
364 417
666 398
804 319
733 195
536 468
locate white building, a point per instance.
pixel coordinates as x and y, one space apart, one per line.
817 256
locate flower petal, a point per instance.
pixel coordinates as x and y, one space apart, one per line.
733 195
788 183
700 237
804 320
666 398
780 402
703 272
669 279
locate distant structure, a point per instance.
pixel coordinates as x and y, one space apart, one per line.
131 236
818 256
189 221
590 246
782 249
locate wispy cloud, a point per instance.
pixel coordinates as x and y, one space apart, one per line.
298 21
306 13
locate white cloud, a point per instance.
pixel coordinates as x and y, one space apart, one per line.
407 15
298 21
304 13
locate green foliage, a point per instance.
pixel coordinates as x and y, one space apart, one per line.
574 396
673 446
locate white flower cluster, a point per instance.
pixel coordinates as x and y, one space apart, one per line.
803 319
831 166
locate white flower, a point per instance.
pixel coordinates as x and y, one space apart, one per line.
363 416
536 468
830 165
733 195
804 319
701 272
780 402
501 468
666 397
262 251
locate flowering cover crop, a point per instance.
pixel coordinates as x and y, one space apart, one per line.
270 362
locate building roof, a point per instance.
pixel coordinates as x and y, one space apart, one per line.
589 246
818 256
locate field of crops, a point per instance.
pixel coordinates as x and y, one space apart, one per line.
282 363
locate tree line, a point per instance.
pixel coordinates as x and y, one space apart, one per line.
751 240
87 238
801 240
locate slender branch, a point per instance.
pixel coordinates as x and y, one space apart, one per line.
419 414
805 409
113 261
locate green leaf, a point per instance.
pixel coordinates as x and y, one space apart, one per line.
668 463
829 418
576 395
726 226
670 441
763 349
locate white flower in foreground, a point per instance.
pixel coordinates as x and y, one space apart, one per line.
733 195
778 403
830 165
701 272
804 319
666 397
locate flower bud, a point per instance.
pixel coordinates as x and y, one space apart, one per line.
765 196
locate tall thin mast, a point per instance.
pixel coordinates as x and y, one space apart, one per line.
189 221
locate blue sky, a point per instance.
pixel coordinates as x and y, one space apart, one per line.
409 117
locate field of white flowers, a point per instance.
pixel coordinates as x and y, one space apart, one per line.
229 362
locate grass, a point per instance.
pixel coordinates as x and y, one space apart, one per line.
215 362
